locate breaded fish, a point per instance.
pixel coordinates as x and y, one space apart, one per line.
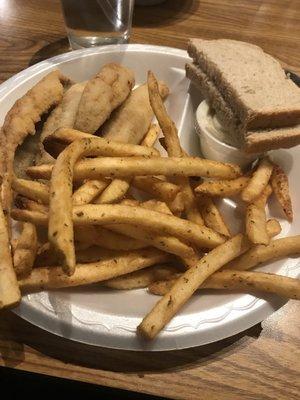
102 94
63 116
20 121
130 122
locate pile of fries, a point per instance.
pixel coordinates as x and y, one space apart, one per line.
174 242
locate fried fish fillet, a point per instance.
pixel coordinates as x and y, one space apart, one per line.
102 94
20 121
130 122
63 116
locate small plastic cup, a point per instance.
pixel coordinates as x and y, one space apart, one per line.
213 148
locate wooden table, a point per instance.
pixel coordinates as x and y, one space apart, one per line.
261 363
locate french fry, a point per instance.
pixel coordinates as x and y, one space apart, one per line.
9 288
114 192
168 244
27 204
176 205
256 224
276 249
119 187
60 227
26 249
97 253
225 188
239 280
60 138
152 204
92 214
212 216
187 284
258 181
151 136
262 200
53 277
33 190
99 236
273 227
88 191
157 205
173 147
280 185
256 227
86 254
124 167
165 191
39 192
141 278
130 202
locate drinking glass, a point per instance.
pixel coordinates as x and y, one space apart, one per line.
97 22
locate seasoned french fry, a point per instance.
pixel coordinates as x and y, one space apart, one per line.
9 288
212 216
256 227
60 138
33 190
88 191
163 242
152 204
119 187
96 235
157 205
114 192
27 204
168 244
141 278
60 227
53 277
85 254
239 280
225 188
273 227
173 147
256 224
165 191
276 249
188 283
26 249
176 205
151 136
124 167
280 185
262 200
258 181
96 253
92 214
130 202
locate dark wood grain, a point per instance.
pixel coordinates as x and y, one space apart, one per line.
261 363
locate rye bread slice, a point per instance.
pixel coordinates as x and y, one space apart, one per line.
265 140
211 93
252 82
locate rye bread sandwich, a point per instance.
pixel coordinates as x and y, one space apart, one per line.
249 91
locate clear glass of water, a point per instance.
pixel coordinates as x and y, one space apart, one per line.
97 22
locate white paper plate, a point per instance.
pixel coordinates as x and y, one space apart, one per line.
109 318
